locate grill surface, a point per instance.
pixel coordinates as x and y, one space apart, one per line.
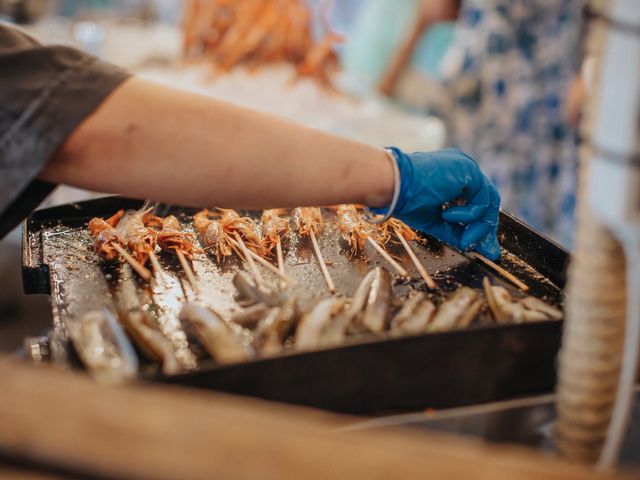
484 363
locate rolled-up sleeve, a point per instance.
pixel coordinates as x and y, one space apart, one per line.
45 93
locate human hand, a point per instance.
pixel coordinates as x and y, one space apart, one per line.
446 195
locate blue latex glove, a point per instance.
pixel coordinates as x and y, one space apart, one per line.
431 181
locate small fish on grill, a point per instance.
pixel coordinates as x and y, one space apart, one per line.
218 338
150 341
275 327
103 347
414 315
345 323
456 312
376 311
314 323
250 316
248 293
507 310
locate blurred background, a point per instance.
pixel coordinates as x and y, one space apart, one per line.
497 78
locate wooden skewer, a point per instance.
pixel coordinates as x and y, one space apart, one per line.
399 268
270 267
423 271
155 265
509 276
234 247
139 268
188 271
280 258
252 264
323 266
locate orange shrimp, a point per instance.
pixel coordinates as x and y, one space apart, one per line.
172 239
352 228
140 239
221 233
105 235
387 231
230 33
212 235
274 228
307 220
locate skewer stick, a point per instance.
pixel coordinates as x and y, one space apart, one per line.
252 264
509 276
280 258
323 266
399 268
423 271
270 267
188 271
155 265
136 265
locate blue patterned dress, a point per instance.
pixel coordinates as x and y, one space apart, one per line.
507 73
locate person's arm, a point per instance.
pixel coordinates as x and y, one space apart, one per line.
69 118
156 142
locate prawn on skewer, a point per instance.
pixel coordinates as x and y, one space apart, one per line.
275 228
356 233
242 231
400 230
105 235
308 221
140 239
228 232
171 238
352 228
235 226
389 229
212 235
109 241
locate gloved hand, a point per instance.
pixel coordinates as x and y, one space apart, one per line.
430 182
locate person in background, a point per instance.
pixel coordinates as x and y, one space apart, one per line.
506 76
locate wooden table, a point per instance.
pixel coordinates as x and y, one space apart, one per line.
63 420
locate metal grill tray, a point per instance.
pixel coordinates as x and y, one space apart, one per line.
481 364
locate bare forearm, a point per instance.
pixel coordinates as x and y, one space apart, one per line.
154 142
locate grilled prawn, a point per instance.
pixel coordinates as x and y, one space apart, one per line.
140 239
105 235
352 228
274 229
308 220
172 239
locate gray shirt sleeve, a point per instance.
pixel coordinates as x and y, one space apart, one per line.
45 93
